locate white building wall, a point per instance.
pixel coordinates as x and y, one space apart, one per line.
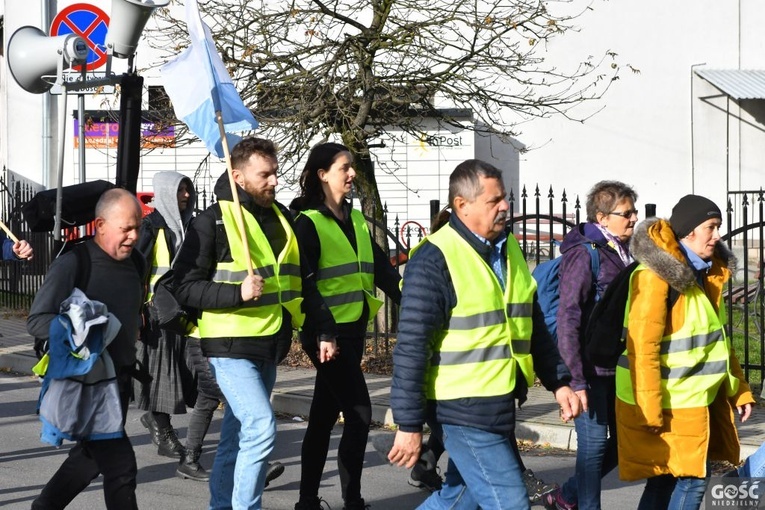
642 135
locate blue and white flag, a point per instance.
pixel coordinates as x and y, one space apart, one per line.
198 84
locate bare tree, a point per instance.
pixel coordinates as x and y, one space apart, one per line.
313 69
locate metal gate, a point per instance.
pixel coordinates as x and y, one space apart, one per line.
746 232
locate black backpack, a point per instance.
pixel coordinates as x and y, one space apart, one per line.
164 310
604 339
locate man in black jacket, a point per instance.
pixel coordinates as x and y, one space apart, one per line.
471 336
246 319
116 280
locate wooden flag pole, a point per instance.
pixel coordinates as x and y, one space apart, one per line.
8 232
235 193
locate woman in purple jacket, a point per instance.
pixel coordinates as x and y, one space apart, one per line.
611 218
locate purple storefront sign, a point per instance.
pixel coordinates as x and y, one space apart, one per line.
103 135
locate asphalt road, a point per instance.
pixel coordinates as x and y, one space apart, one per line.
26 464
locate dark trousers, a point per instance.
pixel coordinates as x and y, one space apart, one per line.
340 386
113 458
199 423
208 395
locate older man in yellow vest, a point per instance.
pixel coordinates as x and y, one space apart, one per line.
471 338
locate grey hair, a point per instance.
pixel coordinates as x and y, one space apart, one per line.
465 179
110 198
604 196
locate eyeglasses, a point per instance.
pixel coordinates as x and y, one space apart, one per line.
625 214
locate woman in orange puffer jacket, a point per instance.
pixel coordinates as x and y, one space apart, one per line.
679 381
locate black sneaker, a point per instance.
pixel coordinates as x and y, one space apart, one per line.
424 474
535 487
274 471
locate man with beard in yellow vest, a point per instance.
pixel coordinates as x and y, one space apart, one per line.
471 337
246 320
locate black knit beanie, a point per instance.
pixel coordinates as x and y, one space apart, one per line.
690 212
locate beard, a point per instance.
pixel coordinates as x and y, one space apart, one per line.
264 198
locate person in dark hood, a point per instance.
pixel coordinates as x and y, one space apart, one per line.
247 314
162 352
611 219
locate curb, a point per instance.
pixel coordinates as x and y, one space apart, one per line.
557 436
14 362
300 405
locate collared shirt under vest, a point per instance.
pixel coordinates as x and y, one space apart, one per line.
282 285
694 360
489 330
345 278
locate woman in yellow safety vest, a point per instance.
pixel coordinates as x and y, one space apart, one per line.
341 266
678 383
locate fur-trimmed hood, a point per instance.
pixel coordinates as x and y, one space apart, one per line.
656 246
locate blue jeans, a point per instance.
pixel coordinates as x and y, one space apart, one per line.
247 433
670 493
754 466
596 452
482 471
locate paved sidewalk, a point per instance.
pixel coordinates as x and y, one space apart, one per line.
537 420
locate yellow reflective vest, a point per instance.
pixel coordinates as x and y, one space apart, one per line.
160 261
282 284
345 278
489 331
694 360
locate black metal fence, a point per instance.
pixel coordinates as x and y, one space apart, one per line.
539 220
745 296
19 280
538 233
